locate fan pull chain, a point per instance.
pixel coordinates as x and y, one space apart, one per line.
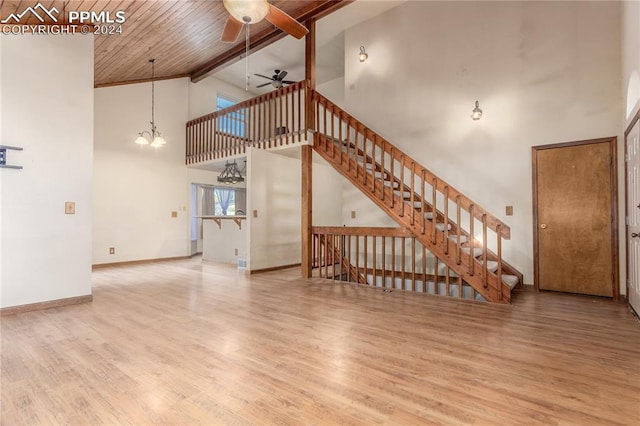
246 62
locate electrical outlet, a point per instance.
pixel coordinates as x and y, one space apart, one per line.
174 214
509 210
69 207
353 214
255 213
112 250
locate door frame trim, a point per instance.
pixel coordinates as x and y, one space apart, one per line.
627 245
612 141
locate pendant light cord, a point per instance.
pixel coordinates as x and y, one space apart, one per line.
153 94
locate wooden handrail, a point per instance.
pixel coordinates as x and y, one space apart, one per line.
267 121
407 161
361 231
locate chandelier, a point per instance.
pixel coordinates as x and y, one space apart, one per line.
231 174
153 137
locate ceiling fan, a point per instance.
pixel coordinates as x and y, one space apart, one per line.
277 80
247 12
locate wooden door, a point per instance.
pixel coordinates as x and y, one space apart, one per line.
632 157
575 224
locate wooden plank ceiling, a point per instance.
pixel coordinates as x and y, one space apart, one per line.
183 36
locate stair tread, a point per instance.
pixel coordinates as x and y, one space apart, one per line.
463 238
440 226
510 280
492 265
477 251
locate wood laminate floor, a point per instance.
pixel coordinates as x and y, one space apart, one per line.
185 343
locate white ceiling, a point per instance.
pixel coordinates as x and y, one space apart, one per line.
288 53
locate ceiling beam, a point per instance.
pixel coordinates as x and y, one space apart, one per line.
140 80
316 10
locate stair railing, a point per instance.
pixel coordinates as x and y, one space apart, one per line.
271 120
388 258
435 210
330 251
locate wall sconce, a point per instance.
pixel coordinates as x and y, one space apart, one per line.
362 56
476 114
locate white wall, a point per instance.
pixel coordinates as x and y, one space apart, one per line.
221 244
47 108
136 188
326 203
630 58
541 74
203 95
273 190
334 91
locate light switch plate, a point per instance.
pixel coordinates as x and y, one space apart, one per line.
174 214
255 213
69 207
353 214
509 210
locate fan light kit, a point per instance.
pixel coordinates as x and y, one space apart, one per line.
476 114
277 80
362 56
247 11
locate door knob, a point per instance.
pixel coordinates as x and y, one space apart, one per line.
635 235
543 226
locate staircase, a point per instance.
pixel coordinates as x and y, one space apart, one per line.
456 230
461 242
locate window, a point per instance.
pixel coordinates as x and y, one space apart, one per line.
225 202
220 201
232 123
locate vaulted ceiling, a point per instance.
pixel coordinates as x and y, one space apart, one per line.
183 36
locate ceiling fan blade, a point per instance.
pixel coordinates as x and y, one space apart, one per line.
264 76
285 22
231 30
262 85
282 74
288 82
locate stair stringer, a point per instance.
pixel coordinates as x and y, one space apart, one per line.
395 211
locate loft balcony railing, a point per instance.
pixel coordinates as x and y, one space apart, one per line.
271 120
